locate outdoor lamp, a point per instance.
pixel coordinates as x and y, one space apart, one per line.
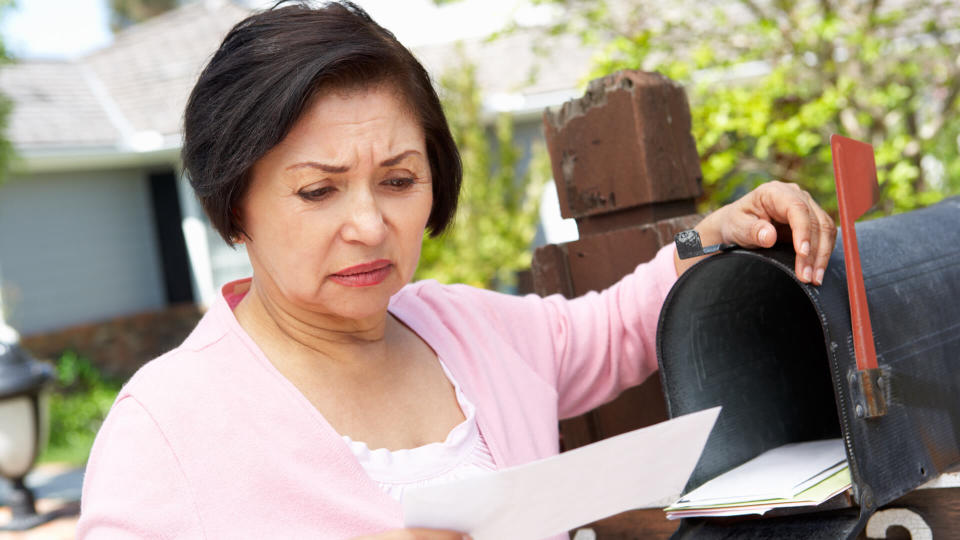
23 425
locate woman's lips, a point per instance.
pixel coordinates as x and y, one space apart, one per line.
363 275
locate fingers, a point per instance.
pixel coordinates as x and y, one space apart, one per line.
828 237
772 212
823 234
785 204
813 231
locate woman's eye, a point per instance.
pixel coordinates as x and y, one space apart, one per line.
400 183
316 194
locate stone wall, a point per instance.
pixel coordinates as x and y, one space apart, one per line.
121 345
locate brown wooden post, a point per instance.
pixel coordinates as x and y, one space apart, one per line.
626 168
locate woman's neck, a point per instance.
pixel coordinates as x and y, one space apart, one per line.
284 328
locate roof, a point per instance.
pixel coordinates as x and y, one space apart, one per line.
54 105
130 95
151 67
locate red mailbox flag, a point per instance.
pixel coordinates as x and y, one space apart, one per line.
855 172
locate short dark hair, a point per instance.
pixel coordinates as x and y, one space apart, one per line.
268 70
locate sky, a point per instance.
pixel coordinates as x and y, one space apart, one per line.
70 28
55 28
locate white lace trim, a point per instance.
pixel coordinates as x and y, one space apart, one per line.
462 454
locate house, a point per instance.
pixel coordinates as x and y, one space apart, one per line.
101 238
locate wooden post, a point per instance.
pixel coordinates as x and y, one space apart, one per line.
626 168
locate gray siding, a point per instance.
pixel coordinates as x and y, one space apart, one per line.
77 248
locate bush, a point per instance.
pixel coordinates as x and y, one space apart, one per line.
499 202
80 398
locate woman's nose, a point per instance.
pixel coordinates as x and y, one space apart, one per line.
364 222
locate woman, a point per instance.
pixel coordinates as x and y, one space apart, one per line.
312 395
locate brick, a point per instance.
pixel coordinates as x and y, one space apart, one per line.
551 273
625 143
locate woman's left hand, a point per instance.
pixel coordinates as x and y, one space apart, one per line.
759 218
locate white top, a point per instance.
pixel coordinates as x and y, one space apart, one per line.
464 453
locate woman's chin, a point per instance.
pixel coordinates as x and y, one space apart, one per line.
358 303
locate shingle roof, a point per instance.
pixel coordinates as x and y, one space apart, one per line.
141 81
151 67
53 105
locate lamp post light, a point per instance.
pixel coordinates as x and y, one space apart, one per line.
24 425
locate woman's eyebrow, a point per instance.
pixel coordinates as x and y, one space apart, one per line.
317 165
389 162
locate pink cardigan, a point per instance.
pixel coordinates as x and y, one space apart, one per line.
211 441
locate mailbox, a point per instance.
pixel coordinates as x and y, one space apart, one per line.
739 330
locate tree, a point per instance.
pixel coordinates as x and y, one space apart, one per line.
124 13
498 212
770 80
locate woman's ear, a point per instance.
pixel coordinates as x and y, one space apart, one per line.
239 236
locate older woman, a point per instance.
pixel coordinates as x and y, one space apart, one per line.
313 394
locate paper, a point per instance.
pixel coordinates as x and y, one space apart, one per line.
830 487
780 473
559 493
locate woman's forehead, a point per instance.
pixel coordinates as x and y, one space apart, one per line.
340 130
374 114
337 123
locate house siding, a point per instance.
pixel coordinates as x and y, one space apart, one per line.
77 248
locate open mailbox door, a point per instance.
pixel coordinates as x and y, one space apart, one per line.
781 357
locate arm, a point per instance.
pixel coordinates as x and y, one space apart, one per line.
595 346
134 486
588 349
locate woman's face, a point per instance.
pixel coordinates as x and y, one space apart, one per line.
335 213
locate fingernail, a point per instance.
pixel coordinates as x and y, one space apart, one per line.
820 276
807 273
764 233
805 248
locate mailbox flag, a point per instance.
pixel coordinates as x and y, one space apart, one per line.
856 176
855 173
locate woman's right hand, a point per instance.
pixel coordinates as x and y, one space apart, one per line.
416 534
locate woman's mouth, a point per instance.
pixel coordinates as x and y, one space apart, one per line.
364 275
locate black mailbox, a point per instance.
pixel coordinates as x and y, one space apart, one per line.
739 330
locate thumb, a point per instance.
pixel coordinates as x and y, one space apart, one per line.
749 230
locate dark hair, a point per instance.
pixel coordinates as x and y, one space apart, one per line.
266 72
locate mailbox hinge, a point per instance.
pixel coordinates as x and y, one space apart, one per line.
870 390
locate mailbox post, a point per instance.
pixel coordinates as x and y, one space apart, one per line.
626 168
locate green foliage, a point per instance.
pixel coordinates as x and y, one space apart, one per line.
79 401
770 81
498 211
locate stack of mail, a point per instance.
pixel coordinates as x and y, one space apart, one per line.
793 475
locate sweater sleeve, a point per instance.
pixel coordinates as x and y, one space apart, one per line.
134 486
593 347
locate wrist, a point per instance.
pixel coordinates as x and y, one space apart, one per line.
710 228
